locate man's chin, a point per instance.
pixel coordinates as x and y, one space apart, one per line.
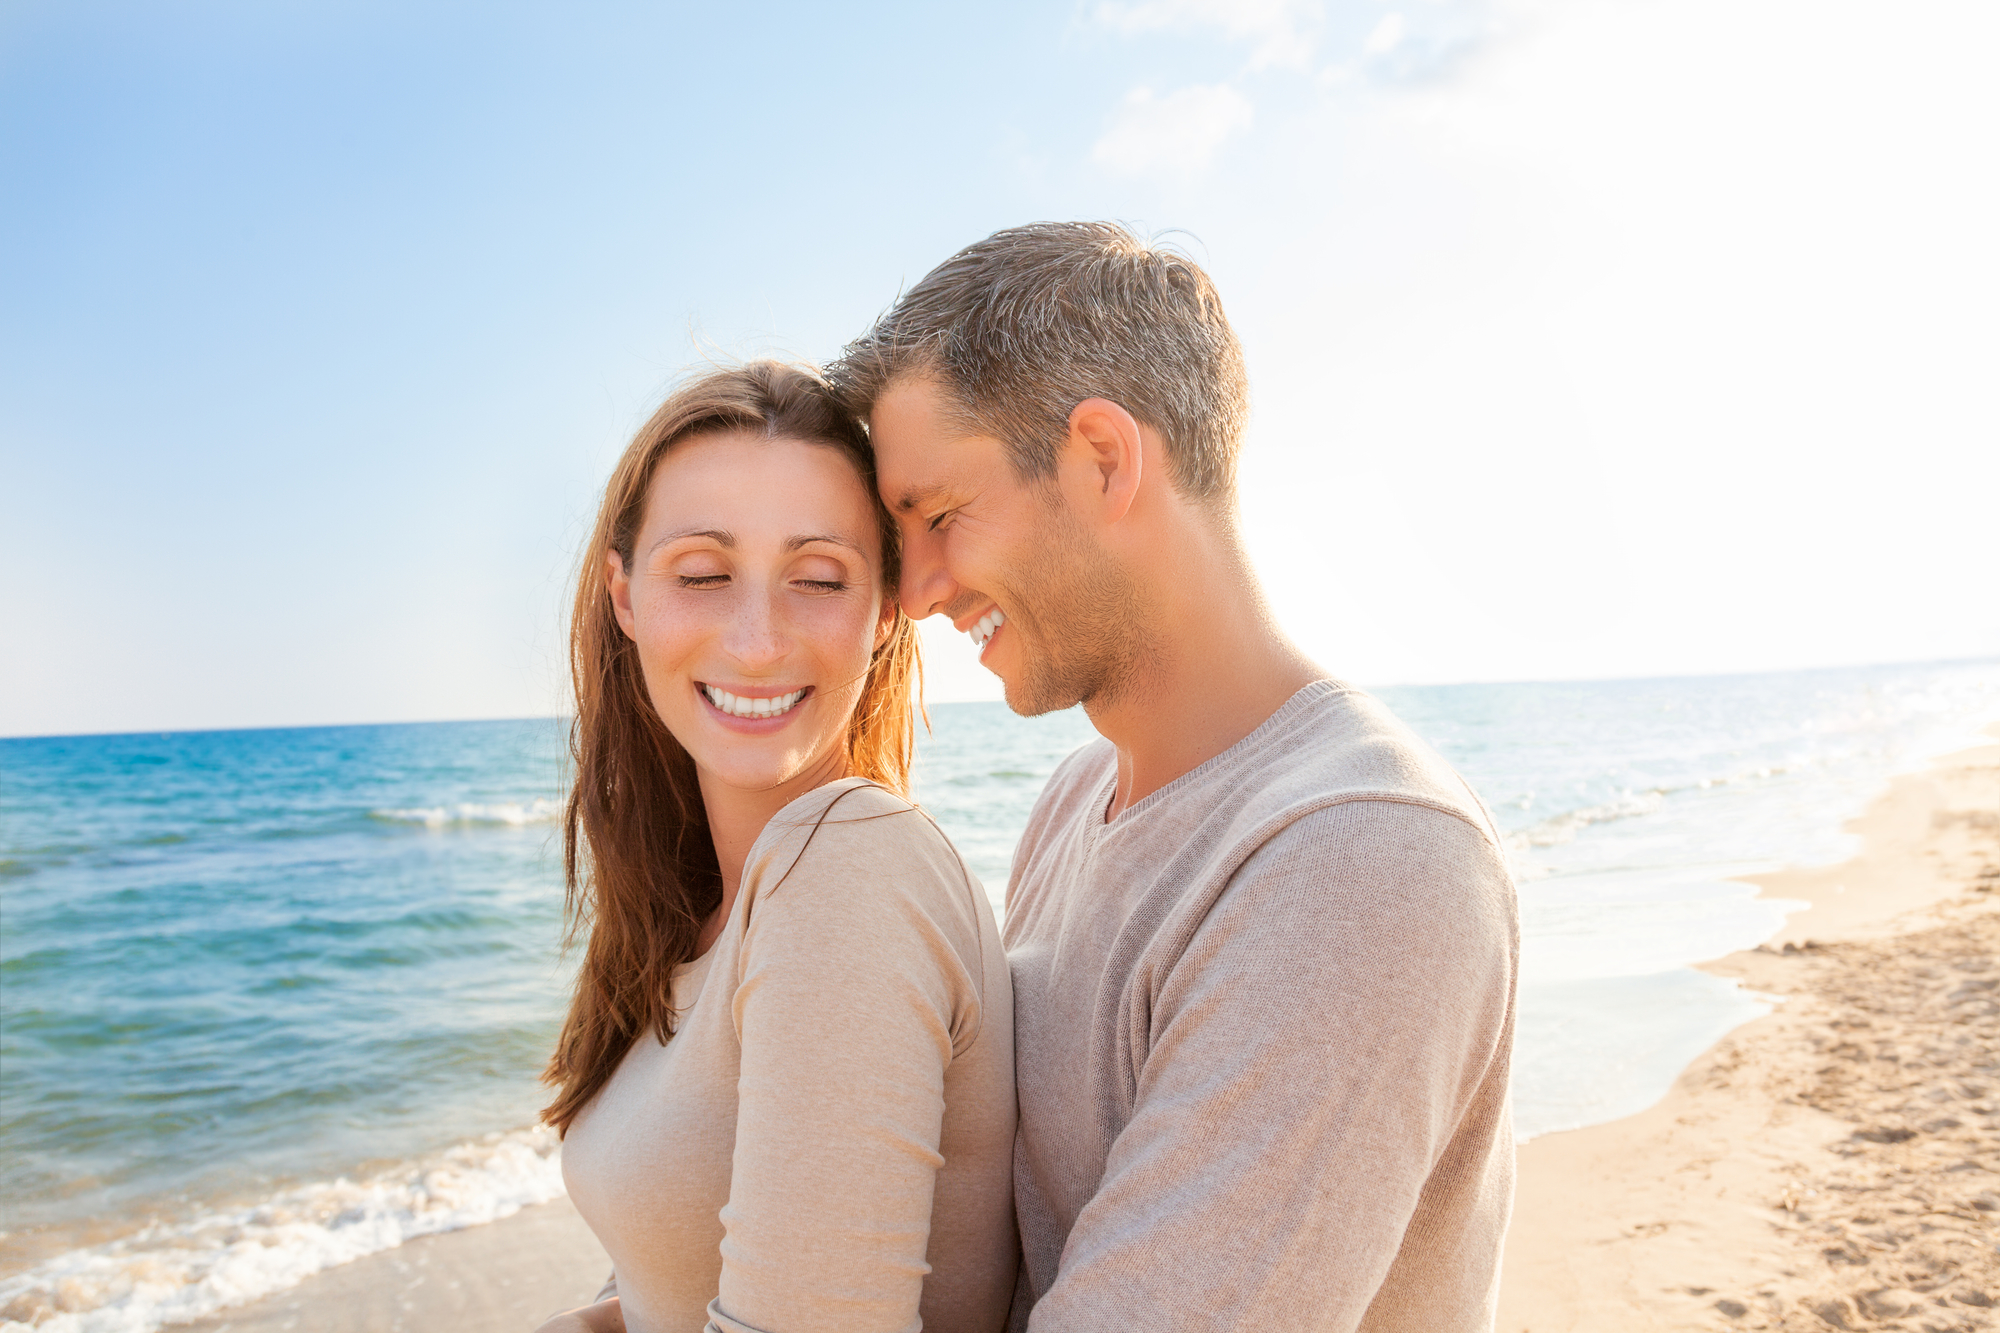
1025 699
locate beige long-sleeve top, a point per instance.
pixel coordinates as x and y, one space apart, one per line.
825 1142
1263 1023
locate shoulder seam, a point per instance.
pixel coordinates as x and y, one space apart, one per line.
820 822
1194 910
907 807
1278 822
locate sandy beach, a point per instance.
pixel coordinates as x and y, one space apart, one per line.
1833 1165
505 1277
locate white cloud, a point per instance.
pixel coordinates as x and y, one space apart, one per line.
1173 135
1386 36
1282 29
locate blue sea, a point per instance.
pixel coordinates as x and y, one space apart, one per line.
273 1000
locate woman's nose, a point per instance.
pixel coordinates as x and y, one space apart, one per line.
755 637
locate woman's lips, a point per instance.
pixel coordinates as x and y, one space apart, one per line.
777 709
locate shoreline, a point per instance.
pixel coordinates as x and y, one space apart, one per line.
500 1277
1834 1164
1603 1212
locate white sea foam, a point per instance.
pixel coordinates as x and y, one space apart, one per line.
171 1274
537 811
1563 828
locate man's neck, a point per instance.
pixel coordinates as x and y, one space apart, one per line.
1219 668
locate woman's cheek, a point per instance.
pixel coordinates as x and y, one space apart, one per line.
843 626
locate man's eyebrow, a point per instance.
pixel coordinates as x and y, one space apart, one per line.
916 496
720 536
797 543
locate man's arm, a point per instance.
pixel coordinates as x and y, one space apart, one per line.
1313 1053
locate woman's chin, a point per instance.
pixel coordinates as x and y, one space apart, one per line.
760 774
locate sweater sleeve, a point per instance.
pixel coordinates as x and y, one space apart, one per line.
850 1005
1306 1086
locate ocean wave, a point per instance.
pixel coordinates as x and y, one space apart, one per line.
537 811
171 1274
1563 828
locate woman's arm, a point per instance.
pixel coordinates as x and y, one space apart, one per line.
848 1012
602 1317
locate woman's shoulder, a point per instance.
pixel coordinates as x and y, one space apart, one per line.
856 882
847 811
843 801
860 836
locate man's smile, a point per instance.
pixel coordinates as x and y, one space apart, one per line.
985 627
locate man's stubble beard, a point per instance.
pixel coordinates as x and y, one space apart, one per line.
1082 619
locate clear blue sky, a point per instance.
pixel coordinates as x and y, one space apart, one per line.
1615 338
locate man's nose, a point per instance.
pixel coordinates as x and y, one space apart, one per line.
926 586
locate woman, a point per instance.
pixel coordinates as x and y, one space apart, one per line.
786 1079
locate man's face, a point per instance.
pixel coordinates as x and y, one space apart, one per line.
1005 559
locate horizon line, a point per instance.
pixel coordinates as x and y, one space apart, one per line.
947 703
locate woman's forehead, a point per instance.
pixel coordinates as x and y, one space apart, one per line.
751 484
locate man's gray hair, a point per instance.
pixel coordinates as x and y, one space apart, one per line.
1019 328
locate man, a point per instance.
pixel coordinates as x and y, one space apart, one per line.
1263 939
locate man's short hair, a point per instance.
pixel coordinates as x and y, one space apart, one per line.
1019 328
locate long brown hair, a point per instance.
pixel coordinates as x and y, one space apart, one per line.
637 855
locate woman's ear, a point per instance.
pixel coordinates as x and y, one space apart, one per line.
885 624
619 584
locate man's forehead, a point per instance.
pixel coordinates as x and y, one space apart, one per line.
923 455
909 403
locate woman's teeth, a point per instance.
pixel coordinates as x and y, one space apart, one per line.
736 707
983 631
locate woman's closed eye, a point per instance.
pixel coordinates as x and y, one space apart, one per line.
703 580
818 574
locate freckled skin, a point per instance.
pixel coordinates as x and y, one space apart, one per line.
723 591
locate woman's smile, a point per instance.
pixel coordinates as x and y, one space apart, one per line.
746 704
756 601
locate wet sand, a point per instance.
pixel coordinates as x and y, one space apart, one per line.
1835 1165
505 1277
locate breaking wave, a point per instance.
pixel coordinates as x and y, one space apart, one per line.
170 1274
1559 829
513 813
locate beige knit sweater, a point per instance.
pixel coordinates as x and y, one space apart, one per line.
1263 1021
825 1142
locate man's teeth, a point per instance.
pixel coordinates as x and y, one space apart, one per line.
983 631
736 707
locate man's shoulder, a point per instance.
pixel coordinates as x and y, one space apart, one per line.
1329 744
1332 744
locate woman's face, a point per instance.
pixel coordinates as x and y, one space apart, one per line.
755 598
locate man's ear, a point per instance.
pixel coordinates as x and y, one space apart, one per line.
619 584
1105 459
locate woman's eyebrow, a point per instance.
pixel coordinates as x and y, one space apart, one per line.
797 543
720 536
